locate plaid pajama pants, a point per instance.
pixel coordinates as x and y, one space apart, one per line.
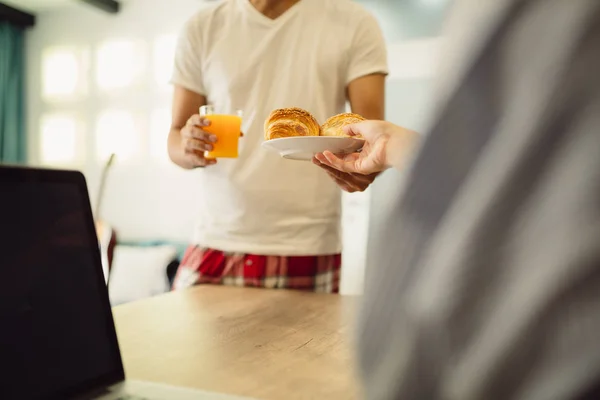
209 266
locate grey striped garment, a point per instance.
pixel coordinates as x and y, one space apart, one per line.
488 285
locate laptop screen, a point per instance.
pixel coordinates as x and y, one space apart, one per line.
56 331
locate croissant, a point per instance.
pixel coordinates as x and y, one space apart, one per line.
286 122
333 126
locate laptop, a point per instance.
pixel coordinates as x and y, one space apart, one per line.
57 336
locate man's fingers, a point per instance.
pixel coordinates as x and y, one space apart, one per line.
198 145
206 162
196 155
200 161
198 133
197 120
194 120
197 141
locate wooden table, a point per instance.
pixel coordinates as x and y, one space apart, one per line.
266 344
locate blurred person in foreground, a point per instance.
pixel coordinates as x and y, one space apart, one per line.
265 221
489 285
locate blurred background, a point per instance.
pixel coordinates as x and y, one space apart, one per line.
94 81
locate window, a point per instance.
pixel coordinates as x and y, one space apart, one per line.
63 72
118 64
59 140
116 92
116 132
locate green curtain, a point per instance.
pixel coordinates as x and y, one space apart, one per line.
13 147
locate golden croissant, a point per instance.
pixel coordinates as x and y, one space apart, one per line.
334 125
286 122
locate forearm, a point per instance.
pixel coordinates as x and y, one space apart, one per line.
371 112
367 96
175 150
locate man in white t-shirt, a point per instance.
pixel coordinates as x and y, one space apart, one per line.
266 221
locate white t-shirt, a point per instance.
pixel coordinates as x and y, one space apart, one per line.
238 58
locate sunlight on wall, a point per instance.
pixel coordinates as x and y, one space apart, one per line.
59 138
63 72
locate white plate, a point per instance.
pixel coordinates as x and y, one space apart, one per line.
305 147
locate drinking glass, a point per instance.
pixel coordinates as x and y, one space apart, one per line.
226 126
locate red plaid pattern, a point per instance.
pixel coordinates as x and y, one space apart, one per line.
310 273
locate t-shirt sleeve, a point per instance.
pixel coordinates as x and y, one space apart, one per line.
187 68
368 53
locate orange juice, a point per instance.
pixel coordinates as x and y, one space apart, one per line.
227 129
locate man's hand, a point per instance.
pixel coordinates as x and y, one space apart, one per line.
349 182
195 141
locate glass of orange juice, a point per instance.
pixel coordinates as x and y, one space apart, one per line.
226 126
